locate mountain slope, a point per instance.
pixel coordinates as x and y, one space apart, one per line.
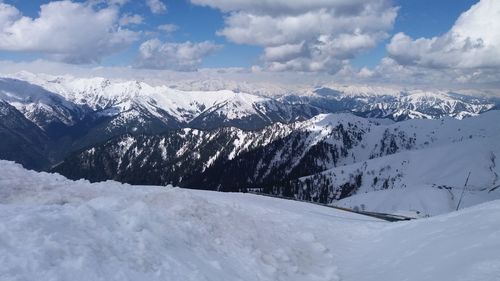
76 113
172 157
356 142
180 156
110 231
51 112
428 181
175 108
324 159
20 139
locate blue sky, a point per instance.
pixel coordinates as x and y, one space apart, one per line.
416 18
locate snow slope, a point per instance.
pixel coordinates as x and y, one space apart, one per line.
429 181
38 104
417 165
55 229
422 164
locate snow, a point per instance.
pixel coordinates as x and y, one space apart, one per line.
52 228
458 246
31 99
413 103
429 175
169 100
417 201
121 96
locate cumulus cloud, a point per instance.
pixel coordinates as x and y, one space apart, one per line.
117 2
131 19
187 56
313 35
168 28
472 42
71 32
390 71
283 6
156 6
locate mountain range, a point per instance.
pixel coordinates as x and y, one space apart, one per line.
326 144
324 159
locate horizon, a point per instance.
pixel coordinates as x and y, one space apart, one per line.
249 83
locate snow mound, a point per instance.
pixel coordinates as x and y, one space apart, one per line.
52 228
55 229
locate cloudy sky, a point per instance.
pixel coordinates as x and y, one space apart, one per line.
444 42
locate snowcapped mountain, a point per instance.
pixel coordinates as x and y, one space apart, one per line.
399 104
138 102
110 231
75 113
133 103
324 159
80 112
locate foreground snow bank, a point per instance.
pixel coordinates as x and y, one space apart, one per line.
55 229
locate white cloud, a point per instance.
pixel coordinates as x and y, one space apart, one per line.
156 6
8 15
117 2
472 42
168 28
72 32
107 2
283 6
185 56
313 35
131 19
389 71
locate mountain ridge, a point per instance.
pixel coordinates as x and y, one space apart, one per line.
294 160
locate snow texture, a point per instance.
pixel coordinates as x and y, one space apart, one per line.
52 228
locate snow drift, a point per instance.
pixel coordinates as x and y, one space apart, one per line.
52 228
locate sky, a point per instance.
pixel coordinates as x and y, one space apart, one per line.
445 42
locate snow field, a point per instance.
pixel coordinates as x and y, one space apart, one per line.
52 228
